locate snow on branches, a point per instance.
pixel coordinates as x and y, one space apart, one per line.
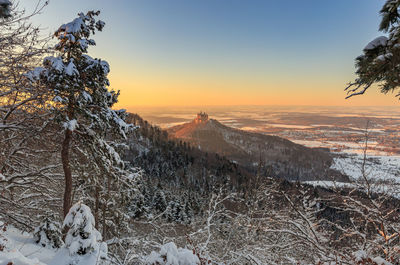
170 254
380 61
24 119
81 101
77 32
82 237
48 234
78 82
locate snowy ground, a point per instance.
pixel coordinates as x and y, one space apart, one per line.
392 190
383 172
380 168
20 249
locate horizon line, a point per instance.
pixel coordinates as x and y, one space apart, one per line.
255 105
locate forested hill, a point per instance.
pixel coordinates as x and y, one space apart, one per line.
179 164
283 158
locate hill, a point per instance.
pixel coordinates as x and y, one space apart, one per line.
281 157
175 163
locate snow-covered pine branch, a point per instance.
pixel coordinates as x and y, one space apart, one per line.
83 243
379 63
82 102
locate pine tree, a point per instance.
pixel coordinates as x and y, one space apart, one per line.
82 237
380 61
48 234
137 205
177 211
159 201
81 100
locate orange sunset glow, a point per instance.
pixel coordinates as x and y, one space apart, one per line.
232 54
199 132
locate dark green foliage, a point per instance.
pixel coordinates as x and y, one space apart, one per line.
48 234
380 62
159 201
390 14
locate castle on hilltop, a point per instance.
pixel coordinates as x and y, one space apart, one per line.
201 117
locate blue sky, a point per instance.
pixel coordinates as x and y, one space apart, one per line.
242 51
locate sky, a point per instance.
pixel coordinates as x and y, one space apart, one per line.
229 52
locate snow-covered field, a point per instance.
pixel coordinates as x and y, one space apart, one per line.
21 249
392 189
382 172
380 168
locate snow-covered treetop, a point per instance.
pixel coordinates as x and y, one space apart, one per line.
79 81
48 234
78 216
82 236
78 31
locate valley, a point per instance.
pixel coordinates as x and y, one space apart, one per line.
342 130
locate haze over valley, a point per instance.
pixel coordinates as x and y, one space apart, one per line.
341 129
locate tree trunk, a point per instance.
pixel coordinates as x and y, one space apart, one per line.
105 206
97 207
67 171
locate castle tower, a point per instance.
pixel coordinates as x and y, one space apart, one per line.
201 117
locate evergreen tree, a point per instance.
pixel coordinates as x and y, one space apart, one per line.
177 212
82 237
81 99
48 234
133 193
380 61
159 201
